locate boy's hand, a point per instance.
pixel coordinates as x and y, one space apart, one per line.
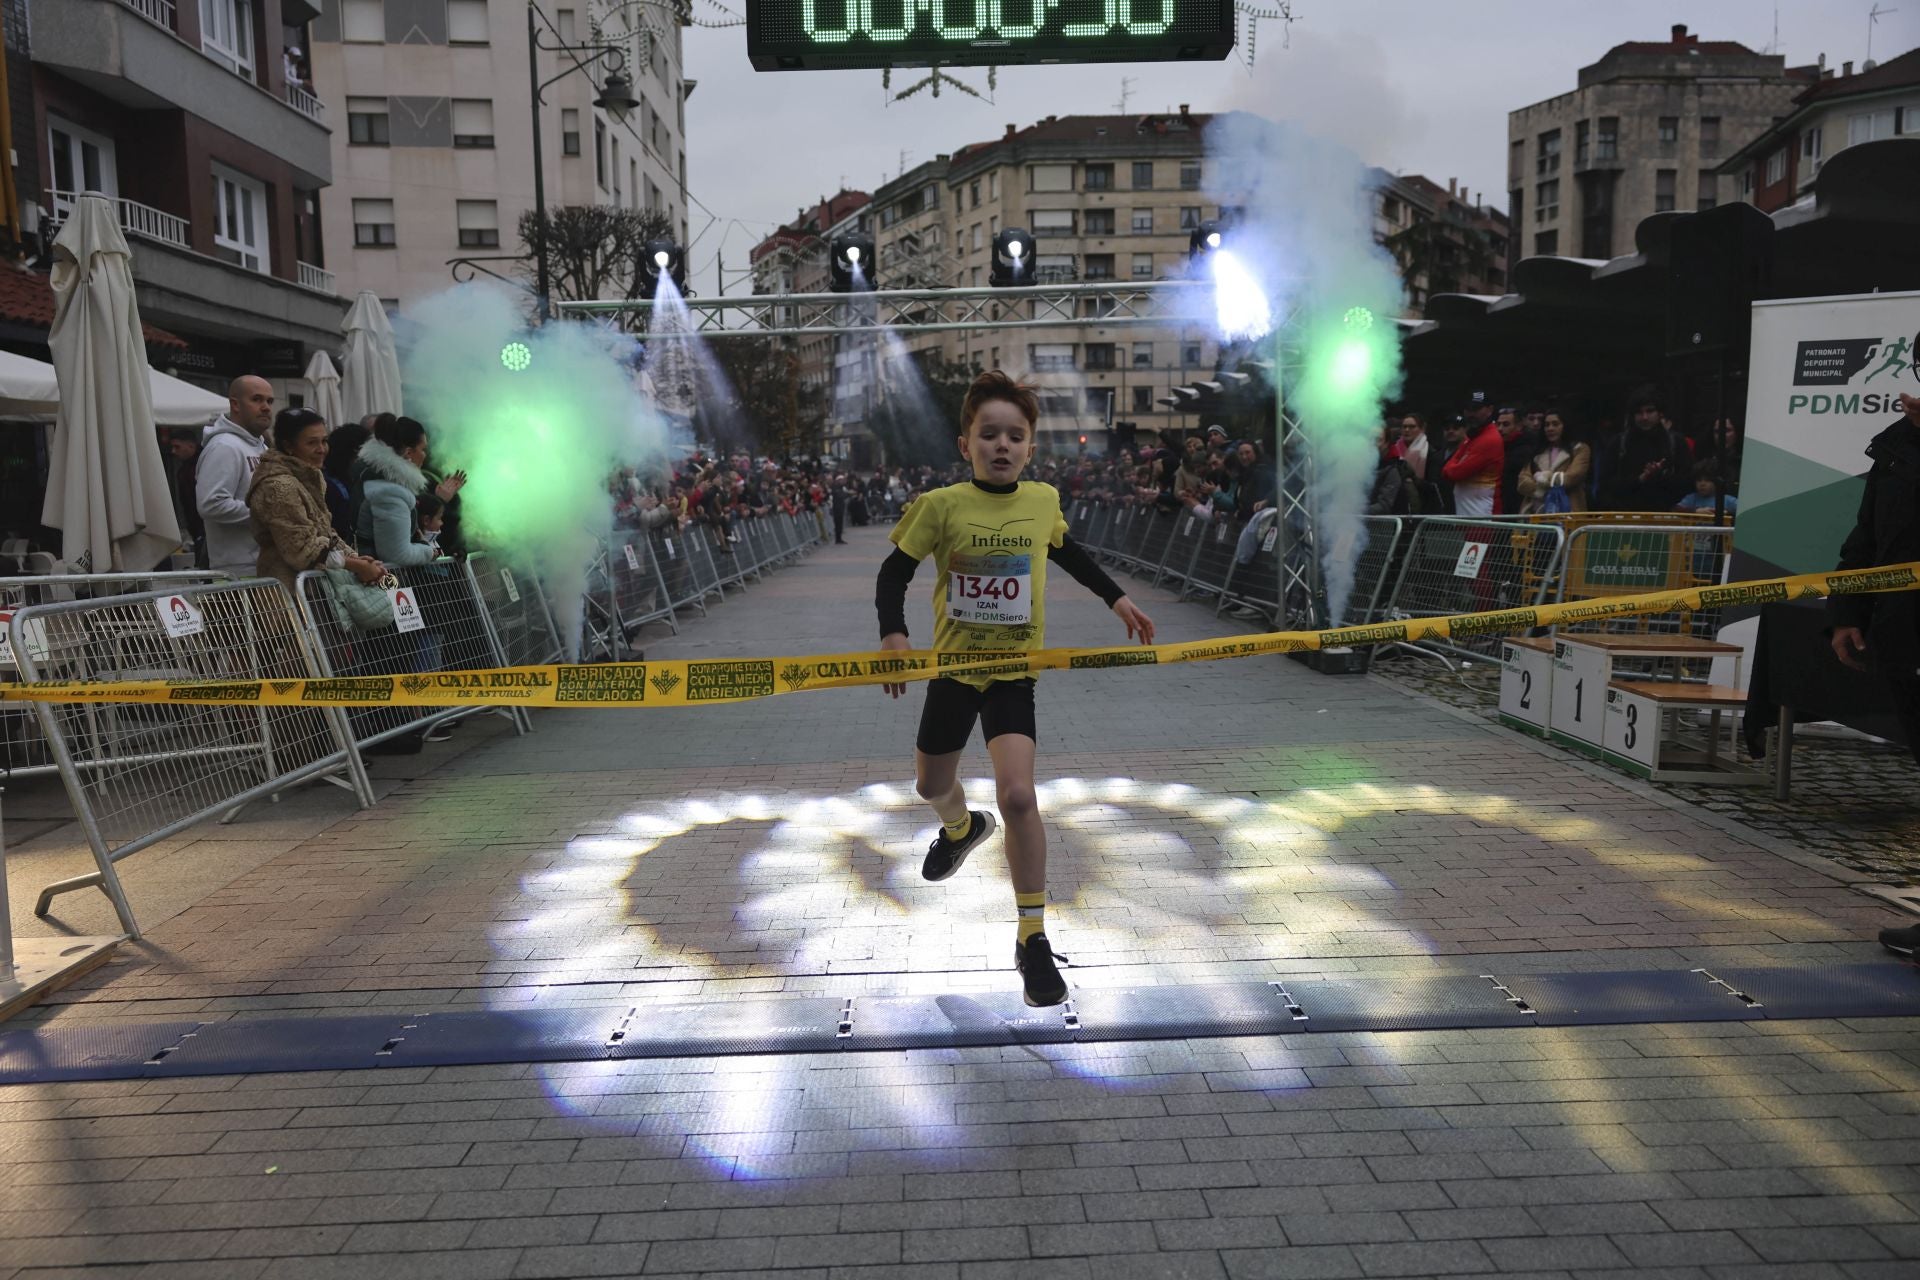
1138 623
895 643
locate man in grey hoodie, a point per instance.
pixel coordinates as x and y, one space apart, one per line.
232 445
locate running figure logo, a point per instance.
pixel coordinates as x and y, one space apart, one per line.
1899 354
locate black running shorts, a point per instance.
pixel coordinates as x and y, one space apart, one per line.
946 721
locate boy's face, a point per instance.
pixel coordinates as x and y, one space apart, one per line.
999 444
1704 486
431 524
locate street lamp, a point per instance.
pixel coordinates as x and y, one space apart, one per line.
616 99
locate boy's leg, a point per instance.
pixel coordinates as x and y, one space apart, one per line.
1013 755
937 779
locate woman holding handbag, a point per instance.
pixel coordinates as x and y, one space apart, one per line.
287 500
1556 481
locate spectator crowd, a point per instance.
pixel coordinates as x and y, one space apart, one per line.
1508 459
388 505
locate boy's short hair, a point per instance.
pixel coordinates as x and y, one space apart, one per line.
1707 469
428 505
995 385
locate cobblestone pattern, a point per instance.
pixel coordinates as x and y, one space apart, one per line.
1854 801
1212 821
1716 1152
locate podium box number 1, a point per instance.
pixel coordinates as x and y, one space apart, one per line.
1577 715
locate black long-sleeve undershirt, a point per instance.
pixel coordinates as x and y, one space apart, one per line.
897 570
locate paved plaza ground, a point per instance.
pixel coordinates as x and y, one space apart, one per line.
1209 822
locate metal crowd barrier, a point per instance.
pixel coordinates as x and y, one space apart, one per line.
455 633
1464 564
138 773
1618 558
521 614
24 751
640 576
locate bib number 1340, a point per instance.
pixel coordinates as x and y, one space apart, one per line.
990 589
969 586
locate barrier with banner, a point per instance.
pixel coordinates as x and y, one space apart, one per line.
687 683
137 772
436 624
23 748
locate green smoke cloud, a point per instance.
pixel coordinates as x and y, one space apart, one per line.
538 442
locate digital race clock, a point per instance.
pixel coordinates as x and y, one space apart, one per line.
797 35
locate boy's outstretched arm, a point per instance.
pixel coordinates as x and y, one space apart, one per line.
890 600
1073 557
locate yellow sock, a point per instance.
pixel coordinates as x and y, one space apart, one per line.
958 830
1033 913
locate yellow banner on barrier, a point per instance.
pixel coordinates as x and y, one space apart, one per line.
680 683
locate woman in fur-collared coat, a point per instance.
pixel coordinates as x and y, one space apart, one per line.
287 503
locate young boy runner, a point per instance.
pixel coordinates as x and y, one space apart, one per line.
990 539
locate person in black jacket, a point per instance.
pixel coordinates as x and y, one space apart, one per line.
1885 626
1650 467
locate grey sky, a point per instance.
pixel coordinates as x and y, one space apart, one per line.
1411 85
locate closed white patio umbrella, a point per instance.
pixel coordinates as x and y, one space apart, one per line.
107 483
325 381
370 365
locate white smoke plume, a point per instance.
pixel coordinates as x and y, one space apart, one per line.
1307 235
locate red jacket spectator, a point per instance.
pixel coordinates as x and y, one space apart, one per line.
1474 470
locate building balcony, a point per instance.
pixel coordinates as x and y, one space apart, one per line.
129 51
317 279
180 288
306 104
136 219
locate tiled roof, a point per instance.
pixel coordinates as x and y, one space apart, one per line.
1093 129
1706 48
26 298
1894 73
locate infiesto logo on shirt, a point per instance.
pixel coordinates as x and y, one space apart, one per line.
995 537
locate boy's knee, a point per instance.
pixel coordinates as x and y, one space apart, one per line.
1018 801
930 790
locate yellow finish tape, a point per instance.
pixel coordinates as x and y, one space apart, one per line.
685 683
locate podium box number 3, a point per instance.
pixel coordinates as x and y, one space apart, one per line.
1632 731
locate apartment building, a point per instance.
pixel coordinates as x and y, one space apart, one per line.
1443 239
1778 167
193 117
434 159
1646 131
794 260
1106 198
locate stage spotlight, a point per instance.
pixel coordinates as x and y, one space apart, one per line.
663 259
854 264
516 357
1012 259
1207 238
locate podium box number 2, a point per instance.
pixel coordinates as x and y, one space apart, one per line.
1577 716
1526 687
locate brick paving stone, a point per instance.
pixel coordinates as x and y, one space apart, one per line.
771 850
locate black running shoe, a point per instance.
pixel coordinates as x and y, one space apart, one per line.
944 856
1902 942
1035 960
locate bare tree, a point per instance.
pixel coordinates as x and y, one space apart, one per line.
593 251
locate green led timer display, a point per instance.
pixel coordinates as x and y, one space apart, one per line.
790 35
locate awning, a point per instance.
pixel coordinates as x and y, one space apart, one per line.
28 390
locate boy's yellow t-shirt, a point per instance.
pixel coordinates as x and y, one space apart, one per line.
991 553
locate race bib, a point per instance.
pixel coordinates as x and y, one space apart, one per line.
990 589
